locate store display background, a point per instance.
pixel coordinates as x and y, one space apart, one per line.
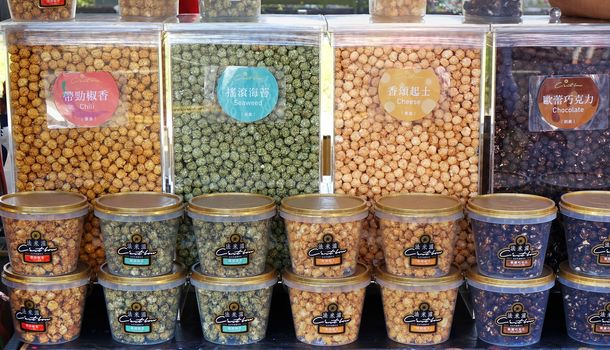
280 333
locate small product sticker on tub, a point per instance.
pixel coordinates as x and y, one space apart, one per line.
136 252
424 253
36 250
515 322
234 320
600 321
30 319
52 3
568 103
327 253
85 99
247 94
331 321
422 320
409 94
602 252
235 252
518 255
137 320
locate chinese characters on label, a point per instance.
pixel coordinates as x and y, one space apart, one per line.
52 3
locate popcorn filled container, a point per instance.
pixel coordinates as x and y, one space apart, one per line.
234 310
493 11
139 230
419 311
586 303
586 221
418 232
43 231
511 233
42 10
398 10
143 311
230 9
327 312
324 233
508 312
47 310
232 232
158 9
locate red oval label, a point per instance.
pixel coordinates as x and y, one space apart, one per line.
86 99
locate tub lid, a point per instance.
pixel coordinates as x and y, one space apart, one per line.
269 274
453 276
568 274
419 205
231 204
178 273
595 203
547 277
138 203
82 272
43 202
512 205
324 205
362 274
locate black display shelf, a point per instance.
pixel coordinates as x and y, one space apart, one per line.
280 334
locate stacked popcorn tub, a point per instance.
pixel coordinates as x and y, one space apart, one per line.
47 284
510 285
326 283
232 282
418 282
142 283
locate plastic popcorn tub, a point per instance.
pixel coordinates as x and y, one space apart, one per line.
231 9
586 220
43 231
47 310
419 311
327 312
42 10
507 312
398 9
232 232
143 311
511 233
139 231
323 233
149 8
586 303
418 232
234 311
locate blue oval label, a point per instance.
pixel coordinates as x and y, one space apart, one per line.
247 94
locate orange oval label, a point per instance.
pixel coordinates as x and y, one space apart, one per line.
86 99
409 94
568 102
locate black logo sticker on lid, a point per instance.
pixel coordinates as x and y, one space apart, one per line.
36 250
235 252
30 319
327 253
331 321
234 320
422 320
137 320
136 252
516 321
424 253
518 255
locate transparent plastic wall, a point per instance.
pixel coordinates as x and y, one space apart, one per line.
408 113
246 103
551 131
85 110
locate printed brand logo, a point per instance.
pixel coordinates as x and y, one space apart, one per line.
422 320
518 255
136 253
602 251
424 253
235 252
36 250
327 253
601 321
568 102
515 322
136 320
86 99
29 318
234 320
52 3
331 321
410 94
